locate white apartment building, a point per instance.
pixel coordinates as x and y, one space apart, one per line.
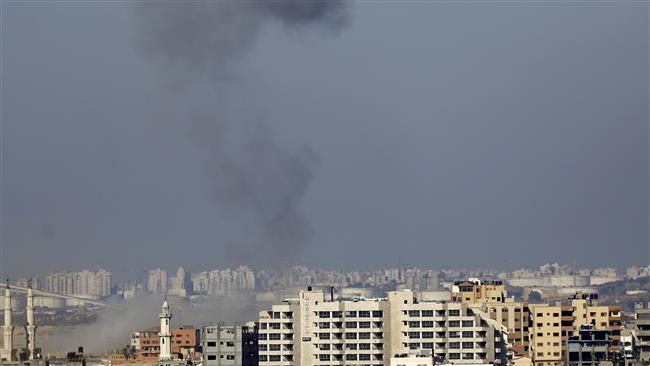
315 330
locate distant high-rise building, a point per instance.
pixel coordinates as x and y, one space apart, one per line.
157 281
84 283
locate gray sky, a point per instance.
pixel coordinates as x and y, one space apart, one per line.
489 134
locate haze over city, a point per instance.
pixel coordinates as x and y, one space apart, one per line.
352 135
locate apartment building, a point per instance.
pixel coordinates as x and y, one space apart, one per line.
591 347
313 330
184 342
515 316
233 345
474 291
642 331
551 325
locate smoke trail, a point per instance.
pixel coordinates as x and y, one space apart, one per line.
252 175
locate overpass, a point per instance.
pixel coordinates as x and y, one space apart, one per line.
67 297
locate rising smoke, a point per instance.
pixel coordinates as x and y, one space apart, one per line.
253 177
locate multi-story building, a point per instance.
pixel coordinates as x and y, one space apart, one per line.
551 325
515 317
590 347
234 345
185 341
642 330
313 330
84 283
157 281
474 291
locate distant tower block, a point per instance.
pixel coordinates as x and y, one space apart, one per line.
165 333
7 329
30 327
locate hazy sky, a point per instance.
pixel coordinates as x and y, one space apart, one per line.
490 134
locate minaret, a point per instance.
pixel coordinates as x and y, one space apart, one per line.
31 328
8 328
165 333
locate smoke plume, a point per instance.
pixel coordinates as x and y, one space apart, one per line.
253 177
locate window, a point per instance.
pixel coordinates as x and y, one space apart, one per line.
274 347
230 344
364 346
468 345
414 312
468 356
351 357
274 325
274 358
364 314
454 345
351 346
324 357
468 334
262 326
454 335
263 358
351 314
454 323
212 357
350 324
427 312
428 345
274 336
364 357
324 335
364 335
468 323
212 344
323 314
324 347
414 324
337 314
414 335
262 347
427 334
454 356
454 312
427 324
350 335
377 313
323 325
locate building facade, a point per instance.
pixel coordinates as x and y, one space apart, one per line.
642 330
313 330
234 345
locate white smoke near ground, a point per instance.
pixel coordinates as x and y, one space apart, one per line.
253 178
111 330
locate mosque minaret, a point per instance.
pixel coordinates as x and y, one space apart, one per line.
30 327
7 329
165 332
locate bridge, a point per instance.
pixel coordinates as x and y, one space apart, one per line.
67 297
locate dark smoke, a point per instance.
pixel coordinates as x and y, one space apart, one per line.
254 178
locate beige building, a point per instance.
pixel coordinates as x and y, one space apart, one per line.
515 317
315 330
551 325
474 291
